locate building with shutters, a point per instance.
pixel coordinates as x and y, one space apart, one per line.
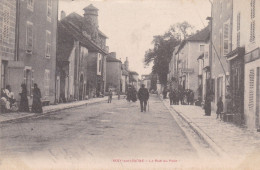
7 40
245 61
35 46
221 45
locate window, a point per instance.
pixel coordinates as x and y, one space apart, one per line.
6 24
46 82
29 37
49 10
99 64
252 24
225 38
238 29
48 44
220 43
30 4
202 48
251 89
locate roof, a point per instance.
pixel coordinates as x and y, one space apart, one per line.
112 59
238 52
133 73
124 72
90 7
78 20
202 35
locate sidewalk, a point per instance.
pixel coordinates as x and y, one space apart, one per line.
225 138
4 117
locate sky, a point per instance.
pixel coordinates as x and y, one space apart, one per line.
131 24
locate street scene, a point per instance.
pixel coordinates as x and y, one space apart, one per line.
129 84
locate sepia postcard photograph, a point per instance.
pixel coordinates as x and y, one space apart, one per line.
129 84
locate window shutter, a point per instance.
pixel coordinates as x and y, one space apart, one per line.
226 38
251 89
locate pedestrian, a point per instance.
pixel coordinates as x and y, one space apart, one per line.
176 100
164 93
110 94
37 104
24 107
207 106
133 95
191 97
219 107
143 96
171 96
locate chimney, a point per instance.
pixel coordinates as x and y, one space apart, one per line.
62 15
91 13
113 54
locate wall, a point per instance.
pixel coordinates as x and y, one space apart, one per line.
7 38
38 61
222 13
113 75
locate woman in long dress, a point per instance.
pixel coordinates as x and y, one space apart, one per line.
24 107
37 104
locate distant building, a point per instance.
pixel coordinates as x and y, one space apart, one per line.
113 73
187 54
146 80
133 79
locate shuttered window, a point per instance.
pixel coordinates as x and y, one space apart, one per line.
30 4
225 38
251 89
6 24
29 36
49 10
46 82
252 24
48 44
238 29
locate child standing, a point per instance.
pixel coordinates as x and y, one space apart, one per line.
219 107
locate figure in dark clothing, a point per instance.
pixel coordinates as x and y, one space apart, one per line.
110 94
24 107
176 99
181 96
143 96
171 96
219 107
207 106
37 104
164 93
191 97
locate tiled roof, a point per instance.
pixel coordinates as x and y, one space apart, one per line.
112 59
202 35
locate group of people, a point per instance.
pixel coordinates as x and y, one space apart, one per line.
183 96
8 102
131 94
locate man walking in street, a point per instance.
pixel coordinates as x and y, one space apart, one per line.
143 96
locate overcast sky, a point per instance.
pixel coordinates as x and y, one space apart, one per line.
131 24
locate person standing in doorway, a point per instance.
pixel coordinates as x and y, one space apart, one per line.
24 107
37 104
110 94
143 96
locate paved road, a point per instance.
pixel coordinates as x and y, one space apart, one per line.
114 133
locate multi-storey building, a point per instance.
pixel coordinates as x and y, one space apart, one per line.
187 55
81 56
245 62
7 41
221 45
35 48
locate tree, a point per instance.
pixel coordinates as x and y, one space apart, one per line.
163 48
